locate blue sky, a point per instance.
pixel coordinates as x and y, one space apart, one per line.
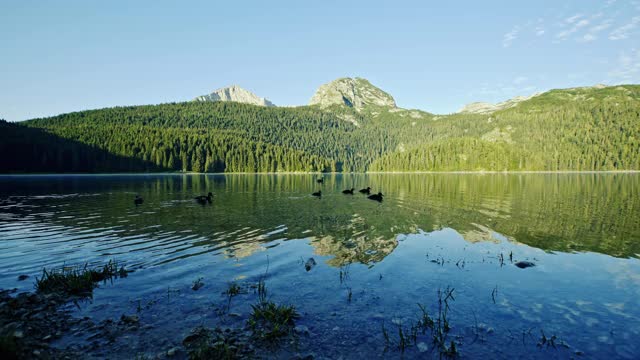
62 56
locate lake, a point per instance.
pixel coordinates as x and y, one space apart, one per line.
377 263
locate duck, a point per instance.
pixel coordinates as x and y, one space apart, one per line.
317 193
204 199
320 181
366 191
377 197
348 191
138 200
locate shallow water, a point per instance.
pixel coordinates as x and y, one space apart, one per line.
432 231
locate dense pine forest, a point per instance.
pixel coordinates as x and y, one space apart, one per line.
572 129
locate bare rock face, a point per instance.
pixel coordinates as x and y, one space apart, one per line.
356 93
237 94
488 108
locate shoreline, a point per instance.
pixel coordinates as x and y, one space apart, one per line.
460 172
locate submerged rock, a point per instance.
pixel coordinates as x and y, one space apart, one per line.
301 330
23 277
172 351
130 320
310 264
524 264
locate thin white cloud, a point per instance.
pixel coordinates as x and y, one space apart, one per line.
628 67
520 79
577 25
585 26
602 26
509 37
572 19
592 33
624 31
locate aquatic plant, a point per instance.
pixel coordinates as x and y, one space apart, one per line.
552 341
441 325
385 334
234 290
494 294
262 291
425 322
344 272
78 281
270 321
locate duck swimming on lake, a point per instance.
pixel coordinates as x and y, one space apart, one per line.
320 181
317 193
138 200
202 200
348 191
366 191
377 197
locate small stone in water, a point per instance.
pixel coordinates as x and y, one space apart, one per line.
133 319
301 329
23 277
524 264
310 264
172 351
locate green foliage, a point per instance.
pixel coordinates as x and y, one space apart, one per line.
574 129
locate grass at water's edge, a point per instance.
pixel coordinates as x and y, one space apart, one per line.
77 280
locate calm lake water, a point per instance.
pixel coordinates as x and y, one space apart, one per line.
375 261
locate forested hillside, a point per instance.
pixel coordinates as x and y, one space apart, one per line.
571 129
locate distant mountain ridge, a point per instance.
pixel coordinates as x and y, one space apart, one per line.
237 94
488 108
352 126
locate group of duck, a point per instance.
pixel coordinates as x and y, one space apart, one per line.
366 191
208 199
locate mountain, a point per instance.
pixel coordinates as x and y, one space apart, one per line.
587 128
593 128
356 93
237 94
488 108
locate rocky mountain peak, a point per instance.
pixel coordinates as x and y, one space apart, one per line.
237 94
357 93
